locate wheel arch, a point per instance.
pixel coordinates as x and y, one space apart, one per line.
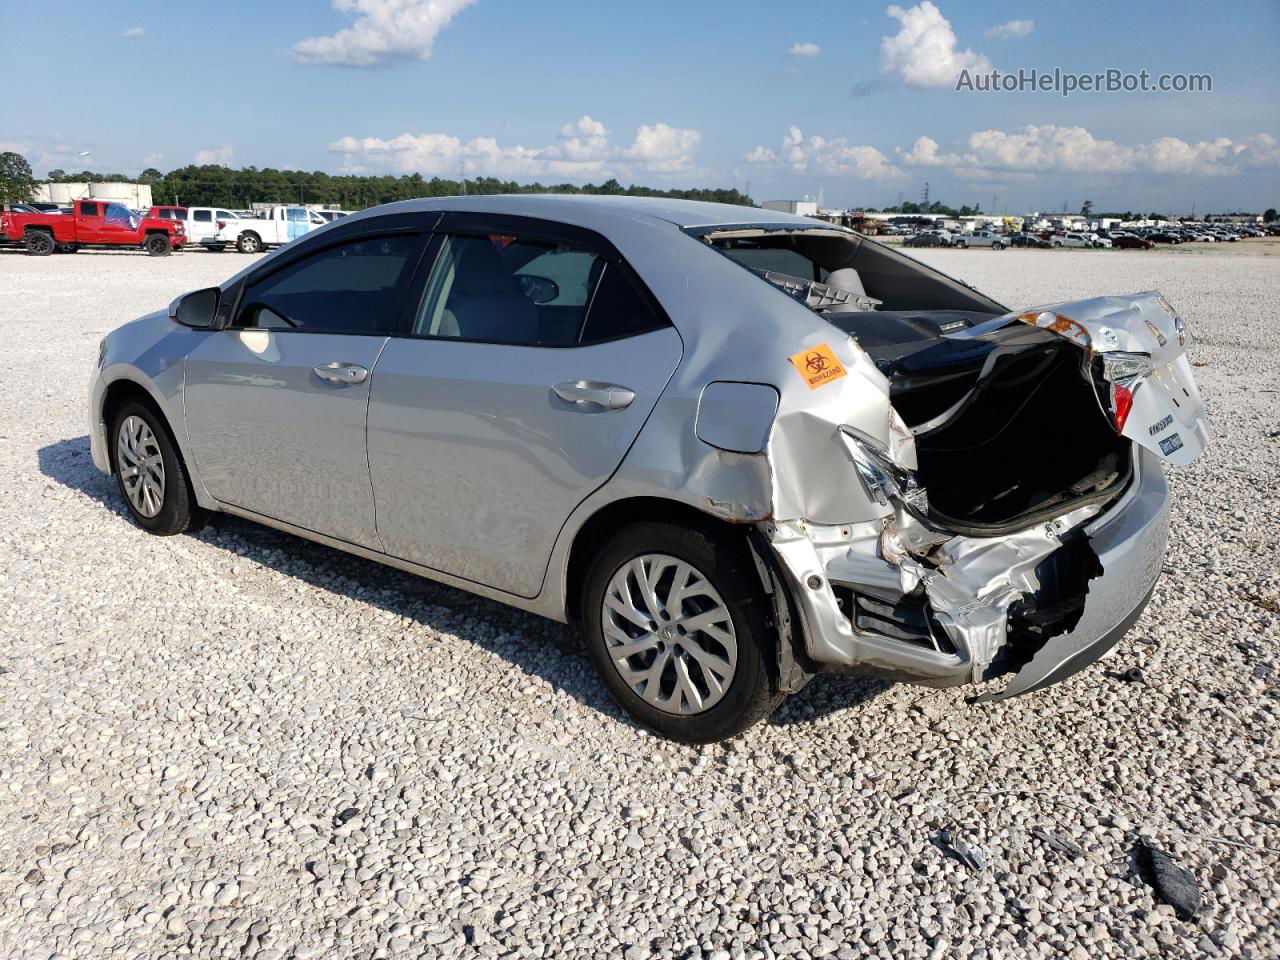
595 530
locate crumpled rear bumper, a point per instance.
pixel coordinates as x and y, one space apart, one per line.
971 598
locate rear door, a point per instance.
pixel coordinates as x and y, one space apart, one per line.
529 366
276 404
89 222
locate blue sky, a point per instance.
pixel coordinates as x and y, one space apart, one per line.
856 100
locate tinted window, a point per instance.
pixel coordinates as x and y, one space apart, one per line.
89 209
203 216
224 215
778 259
505 289
354 288
115 213
618 309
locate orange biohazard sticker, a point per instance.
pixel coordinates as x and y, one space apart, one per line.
818 365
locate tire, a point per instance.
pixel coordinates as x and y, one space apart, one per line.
962 244
173 509
40 243
249 242
723 585
158 244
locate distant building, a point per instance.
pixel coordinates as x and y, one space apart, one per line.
801 208
135 196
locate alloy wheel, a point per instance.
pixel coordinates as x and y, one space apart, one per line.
669 634
141 466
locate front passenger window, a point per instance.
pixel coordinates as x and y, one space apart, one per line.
353 287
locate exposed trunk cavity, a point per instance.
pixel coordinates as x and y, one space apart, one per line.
1008 421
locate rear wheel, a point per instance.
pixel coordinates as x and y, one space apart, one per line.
158 244
150 473
40 243
675 621
249 242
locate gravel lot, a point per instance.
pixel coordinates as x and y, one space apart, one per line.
238 744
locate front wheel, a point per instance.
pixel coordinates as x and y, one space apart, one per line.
158 245
676 622
150 473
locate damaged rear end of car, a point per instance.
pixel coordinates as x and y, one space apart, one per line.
998 505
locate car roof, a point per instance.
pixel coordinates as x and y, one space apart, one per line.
589 209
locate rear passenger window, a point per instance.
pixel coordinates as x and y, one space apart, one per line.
89 209
203 216
498 288
353 288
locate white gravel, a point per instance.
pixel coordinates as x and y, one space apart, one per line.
239 744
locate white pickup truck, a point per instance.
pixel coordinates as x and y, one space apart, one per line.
273 227
981 238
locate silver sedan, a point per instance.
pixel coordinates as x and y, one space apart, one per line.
735 448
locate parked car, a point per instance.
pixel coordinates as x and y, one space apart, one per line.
981 238
929 239
733 446
1027 240
1163 236
43 206
1071 240
1127 241
95 223
276 226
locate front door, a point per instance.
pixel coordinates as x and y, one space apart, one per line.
530 368
276 404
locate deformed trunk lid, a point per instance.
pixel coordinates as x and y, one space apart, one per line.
1168 417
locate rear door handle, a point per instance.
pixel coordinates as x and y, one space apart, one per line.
592 393
336 372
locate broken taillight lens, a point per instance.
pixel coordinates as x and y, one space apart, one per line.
1124 372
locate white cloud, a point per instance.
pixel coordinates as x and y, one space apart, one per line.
215 155
1011 29
384 30
663 149
923 52
804 50
132 32
152 160
836 157
1046 148
582 151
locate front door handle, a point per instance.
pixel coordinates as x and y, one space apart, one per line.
336 372
592 393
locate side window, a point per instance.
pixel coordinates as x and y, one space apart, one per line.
116 213
618 309
352 288
202 216
299 214
505 289
88 209
225 215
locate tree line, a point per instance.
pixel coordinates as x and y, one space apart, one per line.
219 186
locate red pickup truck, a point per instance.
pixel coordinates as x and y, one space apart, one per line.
94 223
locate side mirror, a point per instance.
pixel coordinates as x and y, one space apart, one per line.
195 309
538 289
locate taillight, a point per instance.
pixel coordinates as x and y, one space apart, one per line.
221 224
1125 373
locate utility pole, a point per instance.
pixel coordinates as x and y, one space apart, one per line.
924 197
462 175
